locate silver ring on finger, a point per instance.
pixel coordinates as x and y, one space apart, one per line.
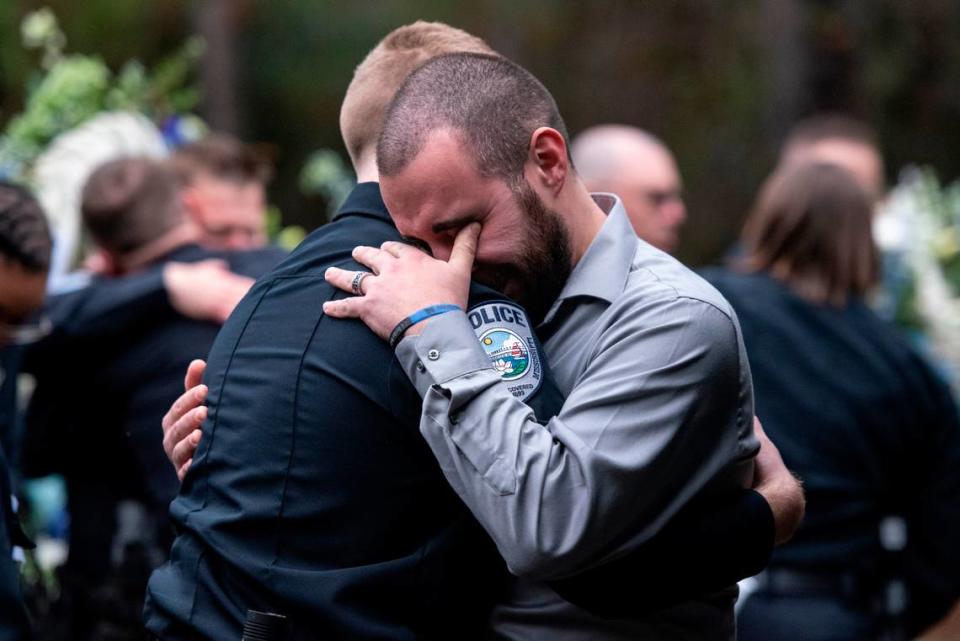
357 281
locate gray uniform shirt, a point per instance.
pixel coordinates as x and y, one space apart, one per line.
659 408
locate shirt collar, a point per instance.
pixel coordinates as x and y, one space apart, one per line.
365 198
602 270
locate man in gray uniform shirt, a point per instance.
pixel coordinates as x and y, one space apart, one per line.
474 165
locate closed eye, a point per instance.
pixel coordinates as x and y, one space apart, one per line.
419 244
455 224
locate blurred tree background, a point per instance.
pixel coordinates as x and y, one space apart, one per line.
721 81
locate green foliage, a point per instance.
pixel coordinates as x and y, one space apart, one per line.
325 174
76 87
170 87
39 30
285 237
72 91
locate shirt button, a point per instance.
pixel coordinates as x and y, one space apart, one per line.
433 354
421 367
454 419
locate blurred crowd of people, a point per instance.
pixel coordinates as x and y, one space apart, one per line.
191 232
298 508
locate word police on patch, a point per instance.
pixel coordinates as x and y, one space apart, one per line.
506 336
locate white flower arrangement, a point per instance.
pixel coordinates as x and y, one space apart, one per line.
919 234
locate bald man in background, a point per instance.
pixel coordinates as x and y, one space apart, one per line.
640 169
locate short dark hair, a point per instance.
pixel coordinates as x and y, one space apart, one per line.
811 228
224 158
24 232
128 202
494 103
830 126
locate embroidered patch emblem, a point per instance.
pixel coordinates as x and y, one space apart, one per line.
505 335
508 353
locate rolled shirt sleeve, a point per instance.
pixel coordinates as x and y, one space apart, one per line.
652 419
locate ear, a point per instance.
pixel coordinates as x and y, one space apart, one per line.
547 164
191 202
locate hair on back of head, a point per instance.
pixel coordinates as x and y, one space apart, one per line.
493 103
811 228
24 232
830 126
128 202
381 73
222 157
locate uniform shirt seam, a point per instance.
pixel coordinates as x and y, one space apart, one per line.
293 434
226 371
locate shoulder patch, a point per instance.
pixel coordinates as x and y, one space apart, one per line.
504 332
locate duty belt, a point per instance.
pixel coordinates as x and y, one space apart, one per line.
784 582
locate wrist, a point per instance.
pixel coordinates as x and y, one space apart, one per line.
787 502
415 322
417 328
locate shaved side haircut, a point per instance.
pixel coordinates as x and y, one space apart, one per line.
495 104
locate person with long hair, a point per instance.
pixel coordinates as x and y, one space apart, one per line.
857 414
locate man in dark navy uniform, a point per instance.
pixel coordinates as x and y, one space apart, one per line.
312 494
113 454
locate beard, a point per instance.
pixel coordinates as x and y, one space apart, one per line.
538 274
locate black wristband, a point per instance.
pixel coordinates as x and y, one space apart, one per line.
433 310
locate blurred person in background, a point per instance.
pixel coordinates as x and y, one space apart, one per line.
224 191
639 168
857 414
25 247
839 140
118 482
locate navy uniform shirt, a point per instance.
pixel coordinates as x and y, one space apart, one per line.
313 494
14 625
870 429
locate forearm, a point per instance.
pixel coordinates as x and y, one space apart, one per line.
554 497
515 493
108 306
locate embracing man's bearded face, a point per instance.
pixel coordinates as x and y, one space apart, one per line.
543 262
524 247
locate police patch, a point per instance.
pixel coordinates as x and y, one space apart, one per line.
507 338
